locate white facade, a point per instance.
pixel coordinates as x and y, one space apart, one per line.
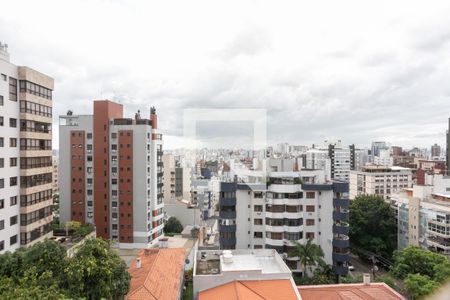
9 195
259 212
146 168
379 180
384 158
213 268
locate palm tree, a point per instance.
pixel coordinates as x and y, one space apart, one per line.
309 254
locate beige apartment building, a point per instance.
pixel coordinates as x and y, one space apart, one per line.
379 180
25 155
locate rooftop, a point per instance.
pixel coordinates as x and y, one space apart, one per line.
212 262
281 289
372 291
159 276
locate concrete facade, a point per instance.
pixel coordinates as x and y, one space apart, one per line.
25 155
119 189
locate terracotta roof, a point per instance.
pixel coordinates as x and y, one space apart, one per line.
159 276
281 289
357 291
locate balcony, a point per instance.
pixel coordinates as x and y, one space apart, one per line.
227 201
341 228
341 242
227 214
274 242
342 257
341 202
317 187
227 241
227 228
340 270
340 215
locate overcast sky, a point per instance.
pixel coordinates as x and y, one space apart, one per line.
349 70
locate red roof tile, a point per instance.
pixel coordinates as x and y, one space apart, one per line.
251 290
358 291
159 276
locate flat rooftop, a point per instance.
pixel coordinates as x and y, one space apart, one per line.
212 262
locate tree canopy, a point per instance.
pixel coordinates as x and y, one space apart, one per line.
173 225
372 226
421 270
43 271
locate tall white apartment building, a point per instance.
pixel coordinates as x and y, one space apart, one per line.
337 160
379 180
169 178
111 174
423 215
384 158
25 155
292 206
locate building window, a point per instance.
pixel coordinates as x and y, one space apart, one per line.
89 136
2 203
1 121
13 162
1 142
257 222
309 222
2 162
310 235
13 240
12 122
12 142
310 208
4 77
310 195
257 234
2 224
13 220
258 208
12 89
2 243
13 200
2 183
1 100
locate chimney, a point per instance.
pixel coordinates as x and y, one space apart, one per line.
366 279
138 263
153 117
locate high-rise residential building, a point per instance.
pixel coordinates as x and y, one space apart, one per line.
111 174
291 206
423 214
447 153
384 158
25 155
55 161
435 151
376 146
379 180
397 151
337 160
169 178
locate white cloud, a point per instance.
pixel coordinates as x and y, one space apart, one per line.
349 69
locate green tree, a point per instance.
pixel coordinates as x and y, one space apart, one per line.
309 254
97 272
173 225
372 226
31 286
415 260
419 285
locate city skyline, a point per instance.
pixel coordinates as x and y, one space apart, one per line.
318 77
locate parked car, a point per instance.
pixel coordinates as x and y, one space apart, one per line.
350 266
